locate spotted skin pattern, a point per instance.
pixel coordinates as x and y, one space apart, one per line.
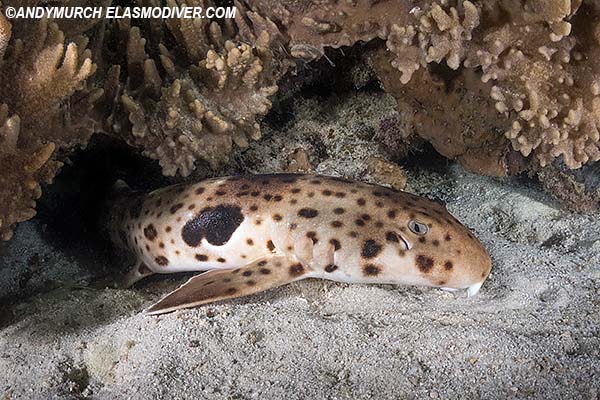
316 226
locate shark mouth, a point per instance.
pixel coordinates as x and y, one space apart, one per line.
471 290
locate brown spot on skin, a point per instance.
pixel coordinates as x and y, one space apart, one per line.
231 291
331 268
308 213
277 217
191 206
265 271
159 214
361 202
422 239
379 204
340 195
436 242
258 222
150 232
379 224
359 222
353 234
253 208
377 194
226 280
201 257
448 265
168 229
392 237
262 263
270 246
245 186
247 273
221 260
161 245
315 182
371 270
296 269
267 197
293 226
290 248
250 242
250 282
277 198
293 201
391 214
337 224
441 283
162 261
336 244
424 263
311 194
338 211
370 249
147 248
254 193
296 190
401 253
312 235
327 192
366 217
175 207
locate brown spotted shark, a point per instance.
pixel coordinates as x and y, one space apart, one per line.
253 233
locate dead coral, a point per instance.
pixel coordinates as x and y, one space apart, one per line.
23 168
44 109
449 111
207 99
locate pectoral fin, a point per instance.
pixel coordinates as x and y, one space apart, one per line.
218 285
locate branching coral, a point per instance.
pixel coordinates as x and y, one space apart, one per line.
43 109
214 86
23 168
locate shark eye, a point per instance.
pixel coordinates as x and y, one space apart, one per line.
418 228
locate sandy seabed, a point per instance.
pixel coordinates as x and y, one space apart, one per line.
533 331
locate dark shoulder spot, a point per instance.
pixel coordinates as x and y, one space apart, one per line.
370 248
216 224
201 257
425 263
448 265
308 212
270 246
361 202
338 210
